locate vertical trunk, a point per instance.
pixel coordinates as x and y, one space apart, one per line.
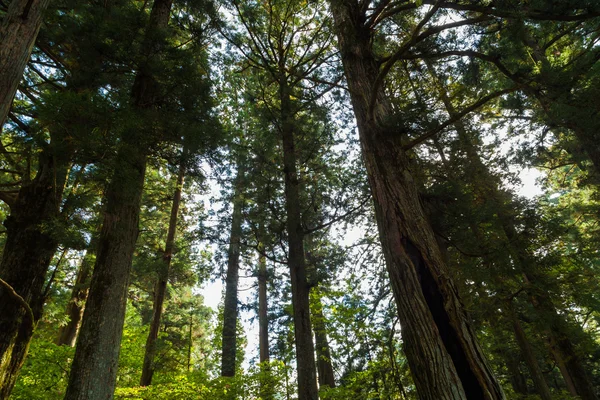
533 366
324 366
94 368
517 379
27 253
160 288
230 310
263 307
305 357
68 333
441 347
18 30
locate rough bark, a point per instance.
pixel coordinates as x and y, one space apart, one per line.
230 309
94 368
324 365
67 334
441 347
160 288
305 358
29 248
18 30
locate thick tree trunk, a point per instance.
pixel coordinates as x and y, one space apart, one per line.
324 365
68 334
18 30
230 309
160 288
441 347
305 357
533 366
94 368
27 253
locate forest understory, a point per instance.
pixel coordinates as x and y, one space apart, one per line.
299 199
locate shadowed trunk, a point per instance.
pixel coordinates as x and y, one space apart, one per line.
441 347
305 357
67 334
533 366
263 307
230 309
18 30
324 366
27 253
160 288
94 368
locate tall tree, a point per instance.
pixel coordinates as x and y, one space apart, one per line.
160 288
441 347
19 28
94 368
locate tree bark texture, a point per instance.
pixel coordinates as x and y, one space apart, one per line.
441 347
29 248
324 364
305 357
160 288
18 30
230 309
68 334
94 368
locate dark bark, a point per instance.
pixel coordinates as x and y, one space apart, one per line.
29 248
531 361
160 288
94 368
324 365
441 347
230 309
68 334
518 381
263 307
18 30
305 357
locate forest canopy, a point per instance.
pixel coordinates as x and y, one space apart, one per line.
294 199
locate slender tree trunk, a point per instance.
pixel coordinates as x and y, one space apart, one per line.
160 288
68 333
324 365
305 357
533 366
18 30
441 347
94 368
230 310
518 381
27 253
263 307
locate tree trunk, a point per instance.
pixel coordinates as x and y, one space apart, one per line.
230 310
94 368
160 288
517 379
68 333
324 366
18 30
305 357
27 253
263 307
533 366
441 347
